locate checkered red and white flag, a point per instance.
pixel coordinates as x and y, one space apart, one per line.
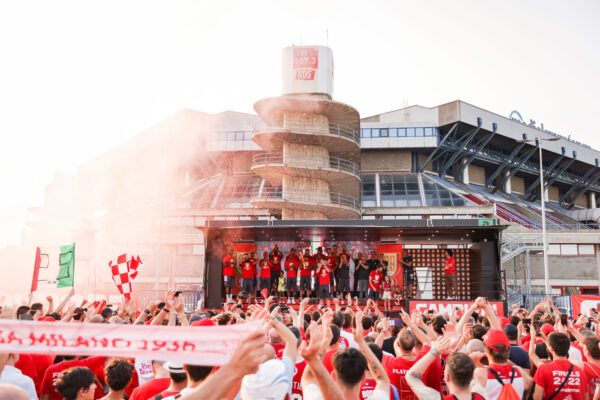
124 270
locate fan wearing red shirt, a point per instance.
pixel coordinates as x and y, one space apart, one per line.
560 379
48 390
275 256
292 262
34 366
450 274
324 274
591 351
306 266
229 274
265 275
375 278
158 384
248 273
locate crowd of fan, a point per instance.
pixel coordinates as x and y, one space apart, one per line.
342 352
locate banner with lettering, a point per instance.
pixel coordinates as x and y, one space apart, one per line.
197 345
583 304
446 306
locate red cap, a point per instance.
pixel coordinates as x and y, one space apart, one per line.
576 326
204 322
47 319
547 329
494 337
503 321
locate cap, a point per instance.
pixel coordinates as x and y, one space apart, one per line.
270 382
547 329
503 321
47 319
204 322
494 337
175 367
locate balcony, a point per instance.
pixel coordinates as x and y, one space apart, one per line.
341 174
331 135
333 205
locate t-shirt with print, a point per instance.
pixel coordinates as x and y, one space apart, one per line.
228 263
324 277
292 263
551 375
53 372
375 280
592 374
248 269
265 268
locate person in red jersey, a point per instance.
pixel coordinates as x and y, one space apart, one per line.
369 383
248 273
158 384
49 391
591 352
375 278
559 379
306 266
324 275
275 256
458 375
292 262
450 274
34 366
229 274
500 372
265 275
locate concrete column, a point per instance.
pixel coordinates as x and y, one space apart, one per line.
377 193
465 175
591 200
508 185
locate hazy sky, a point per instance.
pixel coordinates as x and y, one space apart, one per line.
77 78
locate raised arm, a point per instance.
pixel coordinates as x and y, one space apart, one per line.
65 301
421 337
489 312
415 373
375 367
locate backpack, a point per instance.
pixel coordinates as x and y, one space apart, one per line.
507 392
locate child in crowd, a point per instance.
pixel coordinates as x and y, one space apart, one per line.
397 295
281 285
387 292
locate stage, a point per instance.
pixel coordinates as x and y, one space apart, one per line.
474 242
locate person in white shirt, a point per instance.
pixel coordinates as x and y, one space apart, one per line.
14 376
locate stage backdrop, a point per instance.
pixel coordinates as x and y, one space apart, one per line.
392 253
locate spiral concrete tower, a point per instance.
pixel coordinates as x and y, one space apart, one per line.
311 143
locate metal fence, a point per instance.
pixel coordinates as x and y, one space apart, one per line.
530 300
312 126
303 196
306 161
190 297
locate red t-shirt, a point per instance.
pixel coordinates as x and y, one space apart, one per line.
375 280
333 261
228 262
248 269
265 268
396 368
307 266
292 263
592 374
276 262
451 266
297 381
327 360
367 388
150 388
324 277
551 375
53 372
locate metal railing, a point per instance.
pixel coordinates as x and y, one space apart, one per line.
306 161
190 297
305 196
530 300
311 126
514 244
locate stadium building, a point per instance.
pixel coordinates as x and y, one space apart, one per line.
426 178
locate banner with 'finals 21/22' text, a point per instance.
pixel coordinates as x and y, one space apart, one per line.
197 345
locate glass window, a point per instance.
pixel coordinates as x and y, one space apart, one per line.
230 135
247 135
374 132
401 132
586 250
438 196
410 132
554 249
239 136
420 131
368 191
428 131
399 191
368 217
568 249
366 133
393 132
384 132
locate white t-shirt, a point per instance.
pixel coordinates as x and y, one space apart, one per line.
15 377
575 354
144 370
349 338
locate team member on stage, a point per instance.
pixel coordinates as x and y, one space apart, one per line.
333 256
254 259
362 276
450 274
275 256
229 274
375 278
265 275
408 272
292 262
248 275
306 267
323 272
343 277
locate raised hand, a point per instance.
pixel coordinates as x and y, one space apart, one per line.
443 345
359 330
316 337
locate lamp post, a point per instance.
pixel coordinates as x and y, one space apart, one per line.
538 142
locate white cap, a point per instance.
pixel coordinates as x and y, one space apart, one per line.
174 367
270 382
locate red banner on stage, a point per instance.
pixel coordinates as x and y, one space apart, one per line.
446 306
582 304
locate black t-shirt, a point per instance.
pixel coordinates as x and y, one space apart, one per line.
361 273
408 260
373 264
519 356
388 345
344 271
